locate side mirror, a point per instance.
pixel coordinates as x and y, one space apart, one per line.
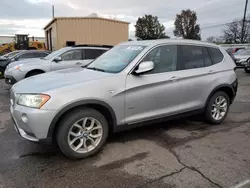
57 59
144 67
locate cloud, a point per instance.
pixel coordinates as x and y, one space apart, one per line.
32 15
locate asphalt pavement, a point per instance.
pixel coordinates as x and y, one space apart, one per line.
181 153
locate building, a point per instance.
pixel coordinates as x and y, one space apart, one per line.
10 39
68 31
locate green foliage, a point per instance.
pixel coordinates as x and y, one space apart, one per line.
185 25
149 27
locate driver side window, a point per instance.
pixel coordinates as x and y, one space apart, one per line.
72 55
164 58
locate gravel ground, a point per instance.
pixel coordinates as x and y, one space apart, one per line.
183 153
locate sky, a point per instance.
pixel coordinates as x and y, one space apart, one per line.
30 16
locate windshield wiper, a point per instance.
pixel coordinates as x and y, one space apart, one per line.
96 69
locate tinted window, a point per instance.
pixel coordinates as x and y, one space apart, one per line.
42 54
93 53
27 55
192 57
207 59
72 55
215 54
164 58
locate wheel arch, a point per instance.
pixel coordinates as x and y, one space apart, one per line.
98 105
228 89
34 70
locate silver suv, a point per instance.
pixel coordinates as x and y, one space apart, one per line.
68 57
134 83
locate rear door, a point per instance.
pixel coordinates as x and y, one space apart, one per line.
71 58
195 74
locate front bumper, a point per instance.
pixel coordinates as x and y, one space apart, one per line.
32 124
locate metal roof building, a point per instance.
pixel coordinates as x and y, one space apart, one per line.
68 31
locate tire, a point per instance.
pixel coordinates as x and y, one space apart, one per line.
1 73
247 71
33 73
208 112
67 125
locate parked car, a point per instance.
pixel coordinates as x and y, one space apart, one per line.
229 51
242 57
132 84
10 54
68 57
20 55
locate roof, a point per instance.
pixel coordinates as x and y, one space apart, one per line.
84 18
172 41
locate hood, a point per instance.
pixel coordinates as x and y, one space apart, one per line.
241 56
57 79
31 60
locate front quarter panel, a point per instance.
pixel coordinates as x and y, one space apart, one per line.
110 90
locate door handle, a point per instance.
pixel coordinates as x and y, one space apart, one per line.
174 78
78 63
211 71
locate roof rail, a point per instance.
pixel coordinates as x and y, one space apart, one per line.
92 45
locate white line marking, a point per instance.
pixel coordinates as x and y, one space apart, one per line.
239 185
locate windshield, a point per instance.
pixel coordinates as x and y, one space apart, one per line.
116 59
55 54
243 52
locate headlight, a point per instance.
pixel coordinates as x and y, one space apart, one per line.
17 67
33 100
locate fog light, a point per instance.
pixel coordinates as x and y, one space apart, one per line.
24 118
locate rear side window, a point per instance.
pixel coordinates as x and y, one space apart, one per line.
194 57
93 53
215 55
28 55
42 54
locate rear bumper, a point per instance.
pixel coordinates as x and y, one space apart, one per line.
234 86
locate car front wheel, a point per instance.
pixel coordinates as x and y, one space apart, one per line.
82 133
217 108
247 69
1 73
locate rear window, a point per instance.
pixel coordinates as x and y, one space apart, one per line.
215 55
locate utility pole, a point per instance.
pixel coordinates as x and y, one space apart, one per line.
244 22
53 11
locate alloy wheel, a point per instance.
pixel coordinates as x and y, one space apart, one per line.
219 108
85 135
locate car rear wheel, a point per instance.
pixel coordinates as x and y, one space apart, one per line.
82 133
217 108
1 72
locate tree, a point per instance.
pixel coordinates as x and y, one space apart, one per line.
211 39
185 25
149 27
233 33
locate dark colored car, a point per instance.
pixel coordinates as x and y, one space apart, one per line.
25 54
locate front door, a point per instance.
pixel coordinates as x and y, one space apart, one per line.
154 94
70 59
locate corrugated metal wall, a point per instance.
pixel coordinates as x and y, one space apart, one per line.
90 31
54 36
